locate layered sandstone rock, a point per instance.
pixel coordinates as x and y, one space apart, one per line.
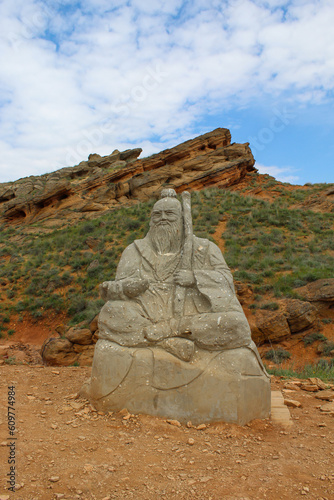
320 293
300 315
101 183
270 326
75 347
294 316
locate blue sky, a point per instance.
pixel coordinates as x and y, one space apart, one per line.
95 75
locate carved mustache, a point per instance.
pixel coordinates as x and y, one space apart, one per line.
164 222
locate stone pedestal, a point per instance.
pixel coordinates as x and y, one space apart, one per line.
229 386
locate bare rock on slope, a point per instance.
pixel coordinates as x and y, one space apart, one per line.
320 293
58 352
270 326
300 315
294 316
76 347
82 336
103 182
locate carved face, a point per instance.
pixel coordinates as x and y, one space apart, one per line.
166 226
165 212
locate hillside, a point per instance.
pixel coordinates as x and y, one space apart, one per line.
102 183
276 238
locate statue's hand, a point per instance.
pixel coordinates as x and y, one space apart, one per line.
135 287
184 278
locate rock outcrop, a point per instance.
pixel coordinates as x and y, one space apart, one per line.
300 315
320 293
294 316
270 326
19 353
102 183
75 347
323 202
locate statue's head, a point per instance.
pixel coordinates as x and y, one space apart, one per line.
166 224
166 211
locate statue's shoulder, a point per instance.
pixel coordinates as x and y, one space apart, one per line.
200 241
203 246
140 244
144 248
130 250
200 245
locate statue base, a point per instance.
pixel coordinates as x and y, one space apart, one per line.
229 386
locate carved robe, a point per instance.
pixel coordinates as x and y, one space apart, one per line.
211 306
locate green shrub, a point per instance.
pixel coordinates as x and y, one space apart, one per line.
87 228
277 355
248 277
324 364
77 304
327 347
322 369
271 306
313 337
11 360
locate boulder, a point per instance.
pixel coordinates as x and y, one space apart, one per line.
93 265
3 350
293 403
92 243
269 326
325 395
130 154
58 352
61 329
93 326
317 381
326 348
320 292
82 336
328 408
244 292
300 315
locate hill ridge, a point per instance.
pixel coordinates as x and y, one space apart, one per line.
101 183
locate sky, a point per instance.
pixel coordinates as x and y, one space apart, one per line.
92 76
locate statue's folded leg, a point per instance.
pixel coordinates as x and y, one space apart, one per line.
214 331
123 322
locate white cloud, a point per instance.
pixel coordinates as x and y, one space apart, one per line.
283 174
96 77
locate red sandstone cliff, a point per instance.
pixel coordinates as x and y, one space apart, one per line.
101 183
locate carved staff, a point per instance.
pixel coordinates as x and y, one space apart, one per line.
186 260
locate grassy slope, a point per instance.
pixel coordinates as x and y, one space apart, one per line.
267 244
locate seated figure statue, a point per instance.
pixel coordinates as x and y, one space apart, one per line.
173 338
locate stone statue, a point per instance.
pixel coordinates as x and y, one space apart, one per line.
174 340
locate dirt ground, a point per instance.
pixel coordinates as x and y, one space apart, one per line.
65 449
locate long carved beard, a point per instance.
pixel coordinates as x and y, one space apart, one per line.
166 238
